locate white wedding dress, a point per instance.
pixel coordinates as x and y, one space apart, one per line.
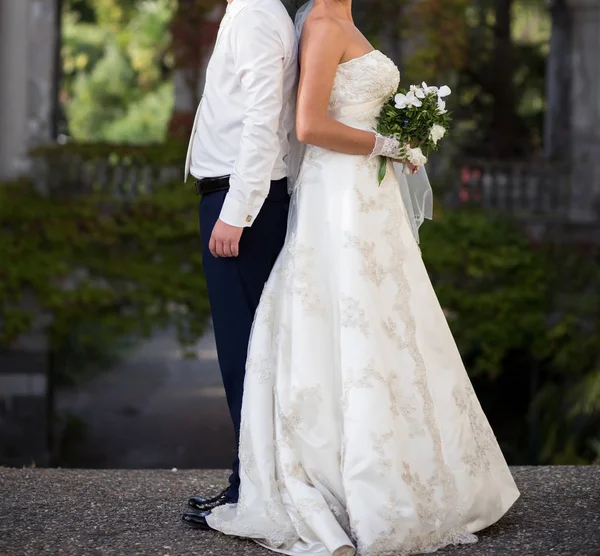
361 432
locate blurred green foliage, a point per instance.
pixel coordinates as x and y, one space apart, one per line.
492 280
526 319
170 153
118 59
116 83
101 267
491 52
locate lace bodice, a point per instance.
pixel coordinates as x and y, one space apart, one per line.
368 78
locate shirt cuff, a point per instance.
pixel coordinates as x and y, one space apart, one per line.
238 214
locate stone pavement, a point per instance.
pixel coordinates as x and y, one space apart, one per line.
137 513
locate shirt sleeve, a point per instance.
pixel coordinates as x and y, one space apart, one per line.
259 57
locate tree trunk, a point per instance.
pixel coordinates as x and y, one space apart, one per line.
194 29
504 119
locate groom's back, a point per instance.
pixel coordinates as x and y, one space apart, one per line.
256 37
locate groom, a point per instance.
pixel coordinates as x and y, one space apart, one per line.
237 152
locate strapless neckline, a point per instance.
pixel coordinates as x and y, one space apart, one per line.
366 55
364 79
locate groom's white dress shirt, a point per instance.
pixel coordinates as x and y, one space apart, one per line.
247 111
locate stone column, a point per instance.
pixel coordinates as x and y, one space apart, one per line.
558 84
28 79
43 76
584 109
13 84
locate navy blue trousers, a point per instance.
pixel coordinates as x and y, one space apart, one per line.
234 289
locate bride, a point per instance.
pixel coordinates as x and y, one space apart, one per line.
361 432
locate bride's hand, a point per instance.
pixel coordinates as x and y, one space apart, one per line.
413 169
389 147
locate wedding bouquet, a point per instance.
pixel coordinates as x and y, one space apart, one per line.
418 119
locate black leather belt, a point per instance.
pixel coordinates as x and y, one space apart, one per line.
211 185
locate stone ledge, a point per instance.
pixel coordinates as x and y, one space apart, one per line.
131 513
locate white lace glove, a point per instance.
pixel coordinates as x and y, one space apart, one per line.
390 147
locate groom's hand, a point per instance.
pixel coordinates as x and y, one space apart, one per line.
225 240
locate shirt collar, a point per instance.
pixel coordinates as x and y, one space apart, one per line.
234 8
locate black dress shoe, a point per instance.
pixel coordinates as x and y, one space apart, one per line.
207 504
197 520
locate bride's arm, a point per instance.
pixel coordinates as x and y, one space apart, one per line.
322 49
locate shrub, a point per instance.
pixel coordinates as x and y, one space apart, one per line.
526 319
128 266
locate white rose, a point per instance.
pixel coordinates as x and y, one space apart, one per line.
436 133
415 157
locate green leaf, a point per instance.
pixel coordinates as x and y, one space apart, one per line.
382 169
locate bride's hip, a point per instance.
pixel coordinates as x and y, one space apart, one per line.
325 166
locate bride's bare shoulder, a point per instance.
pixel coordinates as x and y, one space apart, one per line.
323 27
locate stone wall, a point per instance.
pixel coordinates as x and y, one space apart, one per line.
26 394
25 408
